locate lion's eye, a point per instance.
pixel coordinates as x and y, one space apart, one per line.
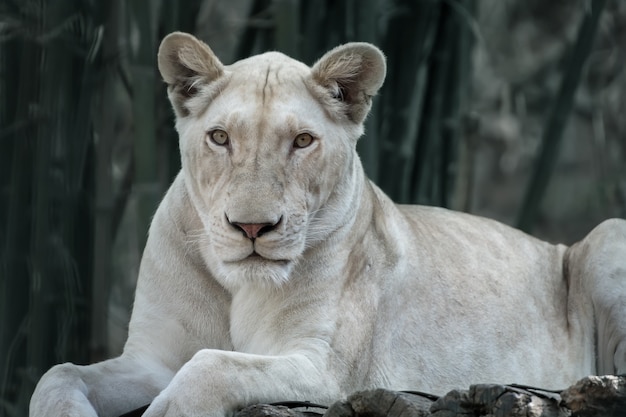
219 137
302 140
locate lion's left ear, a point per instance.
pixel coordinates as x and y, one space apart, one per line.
186 65
352 74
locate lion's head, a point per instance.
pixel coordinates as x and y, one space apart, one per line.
268 149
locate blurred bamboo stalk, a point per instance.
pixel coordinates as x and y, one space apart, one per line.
256 30
14 286
52 142
434 161
146 187
427 170
287 15
465 125
104 126
404 94
459 71
561 108
364 27
314 13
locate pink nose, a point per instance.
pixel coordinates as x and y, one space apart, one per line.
254 230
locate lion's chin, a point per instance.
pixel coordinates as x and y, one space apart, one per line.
255 270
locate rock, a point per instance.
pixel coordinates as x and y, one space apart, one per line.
597 396
593 396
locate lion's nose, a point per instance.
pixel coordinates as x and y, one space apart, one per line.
254 230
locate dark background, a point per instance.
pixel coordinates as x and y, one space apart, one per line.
512 109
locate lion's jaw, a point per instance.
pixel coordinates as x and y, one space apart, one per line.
260 177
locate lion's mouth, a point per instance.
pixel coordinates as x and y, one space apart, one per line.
256 257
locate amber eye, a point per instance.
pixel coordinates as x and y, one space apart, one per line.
219 137
302 140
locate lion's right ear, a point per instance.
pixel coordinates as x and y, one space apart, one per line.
186 65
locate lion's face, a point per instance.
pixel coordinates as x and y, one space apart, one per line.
268 154
262 159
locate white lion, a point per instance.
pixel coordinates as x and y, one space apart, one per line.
274 270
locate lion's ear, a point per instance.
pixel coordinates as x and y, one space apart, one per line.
352 74
186 65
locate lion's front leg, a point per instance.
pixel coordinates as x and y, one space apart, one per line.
217 383
108 388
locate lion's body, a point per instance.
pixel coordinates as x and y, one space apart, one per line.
275 270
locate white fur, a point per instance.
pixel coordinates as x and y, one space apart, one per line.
351 291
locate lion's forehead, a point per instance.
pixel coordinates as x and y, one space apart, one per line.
279 66
267 94
269 78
